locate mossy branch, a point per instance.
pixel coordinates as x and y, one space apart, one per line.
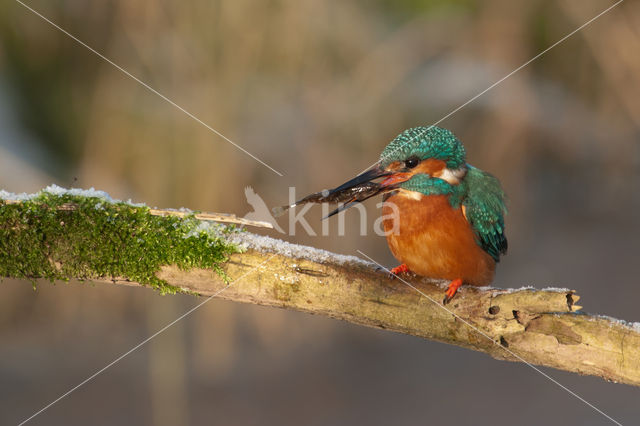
120 243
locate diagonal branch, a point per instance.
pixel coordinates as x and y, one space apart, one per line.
116 242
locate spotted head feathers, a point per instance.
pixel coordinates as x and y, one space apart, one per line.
425 142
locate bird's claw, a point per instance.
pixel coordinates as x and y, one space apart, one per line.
399 270
451 291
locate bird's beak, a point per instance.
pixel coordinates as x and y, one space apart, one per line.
354 191
362 181
362 187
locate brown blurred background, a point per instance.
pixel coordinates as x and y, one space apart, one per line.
316 90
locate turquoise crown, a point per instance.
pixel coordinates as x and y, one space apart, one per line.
425 142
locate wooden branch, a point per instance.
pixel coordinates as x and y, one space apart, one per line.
117 242
540 326
212 217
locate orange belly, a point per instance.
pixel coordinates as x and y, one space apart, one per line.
435 240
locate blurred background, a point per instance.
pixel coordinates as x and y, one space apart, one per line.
316 90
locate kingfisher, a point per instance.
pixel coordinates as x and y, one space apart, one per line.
443 218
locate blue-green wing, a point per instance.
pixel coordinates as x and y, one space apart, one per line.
485 210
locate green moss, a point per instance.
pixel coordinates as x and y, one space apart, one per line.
60 237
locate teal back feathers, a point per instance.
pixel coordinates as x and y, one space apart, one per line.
485 209
425 142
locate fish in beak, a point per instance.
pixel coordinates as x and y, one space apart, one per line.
356 190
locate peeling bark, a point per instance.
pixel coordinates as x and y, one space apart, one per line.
539 326
69 230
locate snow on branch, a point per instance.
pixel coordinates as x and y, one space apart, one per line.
62 235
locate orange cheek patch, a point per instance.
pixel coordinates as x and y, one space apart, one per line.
430 166
396 165
396 178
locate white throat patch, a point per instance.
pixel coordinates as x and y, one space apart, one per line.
413 195
452 176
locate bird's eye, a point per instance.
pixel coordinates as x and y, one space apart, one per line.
411 162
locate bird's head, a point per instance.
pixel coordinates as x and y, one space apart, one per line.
425 160
422 153
415 146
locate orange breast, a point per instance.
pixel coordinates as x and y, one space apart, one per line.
435 240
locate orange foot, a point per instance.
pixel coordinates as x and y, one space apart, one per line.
451 291
399 270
